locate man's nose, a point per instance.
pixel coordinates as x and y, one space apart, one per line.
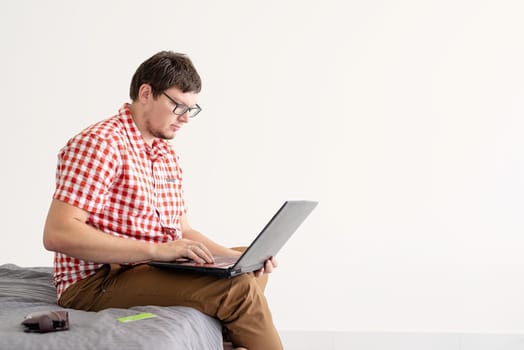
184 118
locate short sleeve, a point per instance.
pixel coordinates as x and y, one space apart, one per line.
87 166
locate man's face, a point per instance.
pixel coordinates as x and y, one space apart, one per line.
160 121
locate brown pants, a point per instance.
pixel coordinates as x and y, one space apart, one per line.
238 302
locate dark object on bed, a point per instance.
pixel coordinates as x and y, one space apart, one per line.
25 291
48 321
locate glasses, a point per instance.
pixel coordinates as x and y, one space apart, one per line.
181 109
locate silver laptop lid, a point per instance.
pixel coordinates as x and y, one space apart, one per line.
275 234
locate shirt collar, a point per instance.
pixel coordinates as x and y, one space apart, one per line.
158 149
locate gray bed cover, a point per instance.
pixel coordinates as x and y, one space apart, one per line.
28 290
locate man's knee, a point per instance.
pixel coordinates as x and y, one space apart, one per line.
240 249
245 284
244 296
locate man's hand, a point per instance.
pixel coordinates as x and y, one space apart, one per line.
269 266
183 248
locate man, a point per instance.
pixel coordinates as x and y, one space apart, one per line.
118 203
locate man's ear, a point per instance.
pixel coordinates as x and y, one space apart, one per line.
145 93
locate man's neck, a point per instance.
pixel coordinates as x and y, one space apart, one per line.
137 114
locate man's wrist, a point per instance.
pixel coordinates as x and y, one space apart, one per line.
152 251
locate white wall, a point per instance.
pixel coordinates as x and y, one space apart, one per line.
403 118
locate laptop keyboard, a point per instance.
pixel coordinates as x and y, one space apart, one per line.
224 261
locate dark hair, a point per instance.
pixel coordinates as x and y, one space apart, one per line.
165 70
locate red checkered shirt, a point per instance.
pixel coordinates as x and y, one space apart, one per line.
130 189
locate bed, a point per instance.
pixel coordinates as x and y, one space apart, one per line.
26 290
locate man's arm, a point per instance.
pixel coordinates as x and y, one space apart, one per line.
66 232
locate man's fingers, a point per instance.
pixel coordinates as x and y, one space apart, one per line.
268 266
199 253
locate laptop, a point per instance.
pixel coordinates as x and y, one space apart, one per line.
266 245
